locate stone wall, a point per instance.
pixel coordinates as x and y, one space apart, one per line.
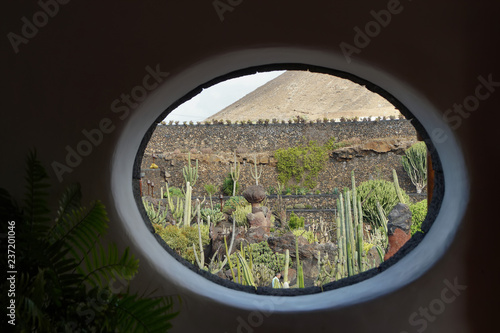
269 137
379 147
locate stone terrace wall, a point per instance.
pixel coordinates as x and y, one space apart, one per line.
214 145
270 137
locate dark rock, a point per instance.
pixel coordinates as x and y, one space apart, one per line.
254 194
399 217
398 227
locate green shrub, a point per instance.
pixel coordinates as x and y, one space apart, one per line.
215 215
232 203
295 222
181 240
227 185
309 235
263 255
174 192
418 214
240 214
302 163
384 192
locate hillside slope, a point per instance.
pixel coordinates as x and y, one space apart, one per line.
309 95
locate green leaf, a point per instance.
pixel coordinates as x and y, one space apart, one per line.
102 266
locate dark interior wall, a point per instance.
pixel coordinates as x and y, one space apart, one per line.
64 76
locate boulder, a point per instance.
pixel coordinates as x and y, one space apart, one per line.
398 227
399 217
254 194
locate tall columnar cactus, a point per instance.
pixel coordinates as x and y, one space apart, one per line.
256 173
415 164
235 173
286 283
398 189
201 259
349 233
190 173
300 270
187 206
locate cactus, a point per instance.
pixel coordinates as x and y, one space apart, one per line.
187 206
155 215
256 174
201 259
349 233
398 189
300 271
190 174
235 173
286 283
415 164
177 209
246 271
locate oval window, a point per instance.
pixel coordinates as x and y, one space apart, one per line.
288 180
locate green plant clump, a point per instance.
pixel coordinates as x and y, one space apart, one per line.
308 235
295 222
181 239
303 163
262 254
228 185
174 192
240 214
418 214
232 203
384 192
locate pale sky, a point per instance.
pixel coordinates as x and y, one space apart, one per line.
217 97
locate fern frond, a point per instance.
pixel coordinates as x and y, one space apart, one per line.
102 265
81 229
30 302
70 200
36 207
135 314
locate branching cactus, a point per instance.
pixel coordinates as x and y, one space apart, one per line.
256 173
415 164
235 173
190 173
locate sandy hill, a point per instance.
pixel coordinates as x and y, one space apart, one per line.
309 95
